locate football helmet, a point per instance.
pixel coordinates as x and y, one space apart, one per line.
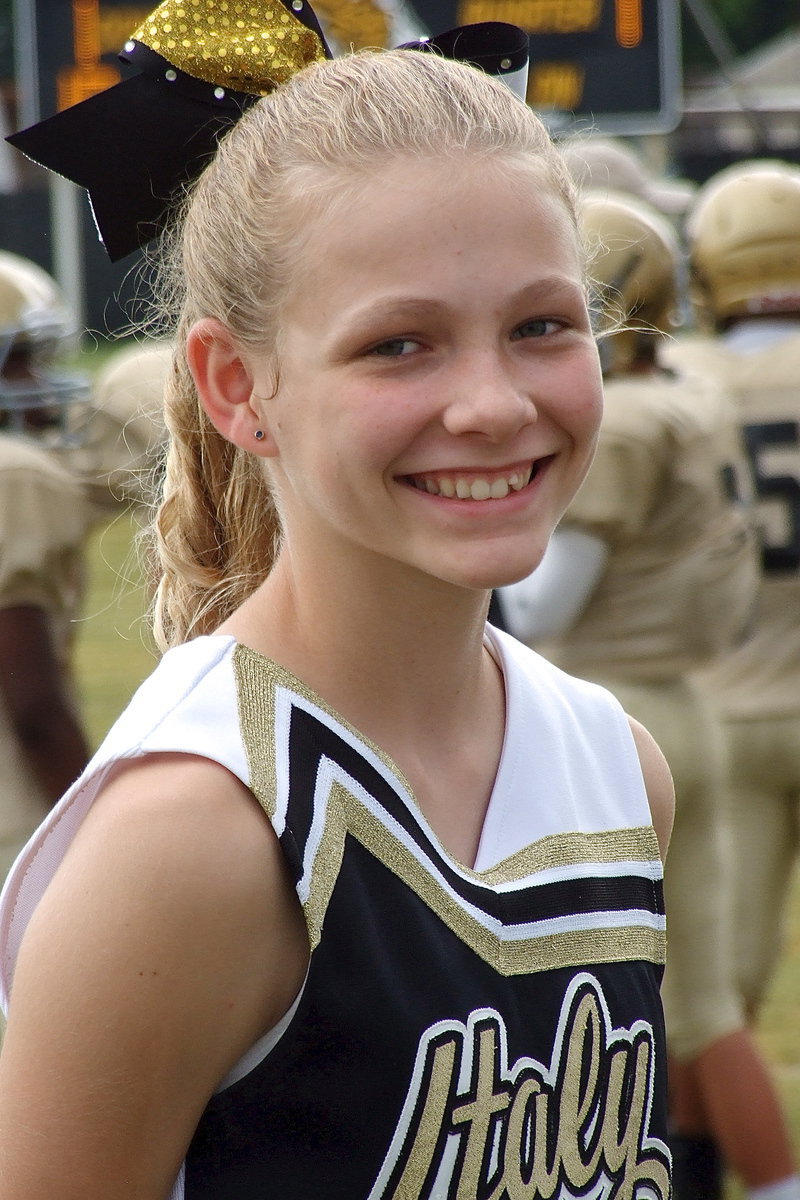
634 268
603 163
743 235
124 438
38 394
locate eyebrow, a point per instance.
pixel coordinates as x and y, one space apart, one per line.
408 307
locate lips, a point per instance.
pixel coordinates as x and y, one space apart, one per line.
473 485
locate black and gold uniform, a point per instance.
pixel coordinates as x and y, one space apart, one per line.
486 1031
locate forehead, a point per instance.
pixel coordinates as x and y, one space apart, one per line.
466 216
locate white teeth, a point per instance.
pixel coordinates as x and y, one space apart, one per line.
480 489
476 489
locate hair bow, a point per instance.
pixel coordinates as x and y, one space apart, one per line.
199 65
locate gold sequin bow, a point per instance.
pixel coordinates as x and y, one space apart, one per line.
247 45
198 65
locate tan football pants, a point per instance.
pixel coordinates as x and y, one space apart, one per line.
764 801
701 1002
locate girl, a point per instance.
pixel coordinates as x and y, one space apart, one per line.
360 898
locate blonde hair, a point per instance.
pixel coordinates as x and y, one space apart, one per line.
232 256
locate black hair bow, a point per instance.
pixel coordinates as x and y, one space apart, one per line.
137 144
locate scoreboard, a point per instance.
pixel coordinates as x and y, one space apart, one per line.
613 65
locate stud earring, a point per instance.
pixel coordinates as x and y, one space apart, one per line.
259 435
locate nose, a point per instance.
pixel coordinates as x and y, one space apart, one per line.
488 398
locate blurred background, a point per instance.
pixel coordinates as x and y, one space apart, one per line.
694 84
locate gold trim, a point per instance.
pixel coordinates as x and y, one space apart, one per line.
327 861
557 850
259 675
262 671
256 700
574 948
257 680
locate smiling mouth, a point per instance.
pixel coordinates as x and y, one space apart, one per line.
494 486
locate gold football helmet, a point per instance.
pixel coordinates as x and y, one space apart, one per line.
611 164
634 267
121 453
37 331
743 235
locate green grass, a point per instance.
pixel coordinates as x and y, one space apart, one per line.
779 1031
114 651
114 654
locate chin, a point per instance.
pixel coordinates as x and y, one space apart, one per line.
496 575
513 568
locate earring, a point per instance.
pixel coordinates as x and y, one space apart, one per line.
259 435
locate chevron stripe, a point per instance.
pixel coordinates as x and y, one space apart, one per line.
320 781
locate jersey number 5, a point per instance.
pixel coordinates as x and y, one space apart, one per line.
779 555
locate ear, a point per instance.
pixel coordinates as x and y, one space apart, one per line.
224 384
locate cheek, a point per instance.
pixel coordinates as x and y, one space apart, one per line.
582 400
380 428
593 411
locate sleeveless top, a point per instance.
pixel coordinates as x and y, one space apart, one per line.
490 1033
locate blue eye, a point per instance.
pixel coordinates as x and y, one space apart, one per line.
539 327
394 348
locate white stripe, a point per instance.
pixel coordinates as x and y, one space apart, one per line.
330 772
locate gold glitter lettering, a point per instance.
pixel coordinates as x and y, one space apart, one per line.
422 1151
478 1114
517 1136
598 1087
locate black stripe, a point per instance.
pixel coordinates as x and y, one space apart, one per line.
311 739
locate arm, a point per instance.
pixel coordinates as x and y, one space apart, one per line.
43 529
552 598
658 784
168 941
33 690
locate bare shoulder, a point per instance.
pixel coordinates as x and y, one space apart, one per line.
168 941
658 783
180 856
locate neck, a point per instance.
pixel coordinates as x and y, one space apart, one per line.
401 657
398 654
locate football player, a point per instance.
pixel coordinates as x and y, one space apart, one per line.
119 452
744 242
652 573
71 454
44 522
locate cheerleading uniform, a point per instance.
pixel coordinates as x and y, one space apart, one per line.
484 1031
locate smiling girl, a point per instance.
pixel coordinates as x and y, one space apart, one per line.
360 898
